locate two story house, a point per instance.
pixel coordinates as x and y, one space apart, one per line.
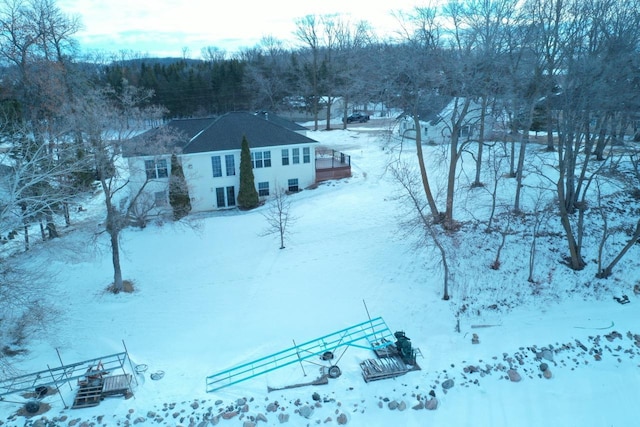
282 156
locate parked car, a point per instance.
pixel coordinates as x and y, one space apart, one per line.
357 118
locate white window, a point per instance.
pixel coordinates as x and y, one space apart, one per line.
230 164
156 168
263 189
216 166
260 159
160 198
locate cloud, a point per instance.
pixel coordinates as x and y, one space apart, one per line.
168 26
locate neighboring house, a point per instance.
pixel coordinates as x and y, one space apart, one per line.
436 120
209 151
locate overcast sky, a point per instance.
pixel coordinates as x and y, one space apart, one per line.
165 27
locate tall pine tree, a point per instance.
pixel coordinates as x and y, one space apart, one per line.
178 191
247 195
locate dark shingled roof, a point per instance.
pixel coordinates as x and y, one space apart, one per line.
190 127
287 124
226 133
216 134
165 139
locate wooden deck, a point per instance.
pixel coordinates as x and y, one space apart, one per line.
116 384
333 173
94 390
388 364
89 394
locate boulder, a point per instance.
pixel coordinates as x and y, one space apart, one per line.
272 407
228 415
283 418
342 419
514 376
546 354
431 404
306 411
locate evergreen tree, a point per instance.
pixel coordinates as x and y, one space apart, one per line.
178 191
247 195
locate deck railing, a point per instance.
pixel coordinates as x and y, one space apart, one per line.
332 164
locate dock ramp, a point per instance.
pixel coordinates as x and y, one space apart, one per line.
371 335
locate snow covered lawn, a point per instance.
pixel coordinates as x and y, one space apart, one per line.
216 293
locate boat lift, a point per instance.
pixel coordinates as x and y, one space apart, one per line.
55 377
370 335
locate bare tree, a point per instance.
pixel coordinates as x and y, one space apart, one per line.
24 292
504 232
308 33
352 60
488 24
541 213
104 126
36 40
35 182
278 216
416 83
634 237
213 54
269 74
495 160
411 183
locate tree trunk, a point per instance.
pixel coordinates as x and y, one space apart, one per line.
118 286
67 216
329 102
512 160
588 148
451 178
549 118
113 227
52 232
344 112
569 173
423 172
458 117
532 256
602 137
524 141
26 237
576 262
606 272
483 115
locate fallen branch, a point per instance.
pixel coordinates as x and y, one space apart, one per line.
318 381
